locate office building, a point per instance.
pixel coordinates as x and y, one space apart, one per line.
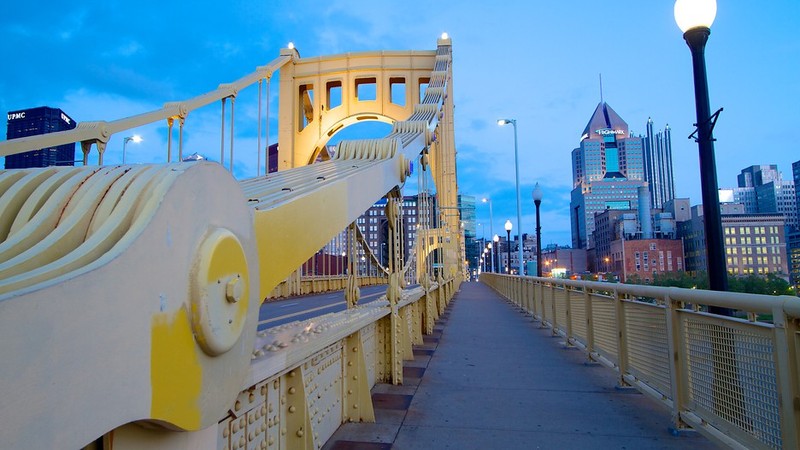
658 165
754 243
762 189
472 250
607 172
34 121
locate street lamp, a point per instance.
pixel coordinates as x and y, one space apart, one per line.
502 122
694 18
508 245
537 200
491 220
135 138
496 240
491 255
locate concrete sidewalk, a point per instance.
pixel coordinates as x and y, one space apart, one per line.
490 378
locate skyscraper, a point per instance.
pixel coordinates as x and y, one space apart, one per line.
607 171
41 120
658 165
762 189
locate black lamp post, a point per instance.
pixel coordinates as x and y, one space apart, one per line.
508 246
496 240
694 18
537 200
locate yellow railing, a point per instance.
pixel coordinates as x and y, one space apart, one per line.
309 377
733 379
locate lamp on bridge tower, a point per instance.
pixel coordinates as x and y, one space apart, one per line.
508 226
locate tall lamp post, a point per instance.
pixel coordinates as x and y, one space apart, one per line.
537 200
694 18
508 245
496 240
491 220
135 138
502 122
491 256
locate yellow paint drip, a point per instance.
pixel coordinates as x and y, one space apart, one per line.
175 372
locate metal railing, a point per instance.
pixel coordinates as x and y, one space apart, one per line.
733 379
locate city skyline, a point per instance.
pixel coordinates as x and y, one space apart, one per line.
97 61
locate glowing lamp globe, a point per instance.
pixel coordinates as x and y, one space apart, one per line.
695 13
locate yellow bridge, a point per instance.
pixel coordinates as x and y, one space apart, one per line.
129 294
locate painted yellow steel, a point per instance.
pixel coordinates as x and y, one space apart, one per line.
343 72
149 278
734 380
110 304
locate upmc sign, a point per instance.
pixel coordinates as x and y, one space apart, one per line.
16 115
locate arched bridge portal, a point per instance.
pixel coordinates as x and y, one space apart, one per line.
321 96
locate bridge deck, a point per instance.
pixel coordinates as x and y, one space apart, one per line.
492 378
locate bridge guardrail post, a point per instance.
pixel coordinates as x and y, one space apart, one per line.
677 361
554 319
568 305
787 368
587 298
622 338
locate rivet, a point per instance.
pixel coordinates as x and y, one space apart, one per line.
355 377
355 406
238 405
264 390
264 410
242 442
350 391
271 440
300 432
283 431
225 432
275 384
350 363
291 374
355 349
292 390
292 409
235 427
250 420
251 397
242 423
251 436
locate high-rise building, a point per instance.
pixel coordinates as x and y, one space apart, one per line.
757 175
754 243
607 172
472 249
41 120
793 246
658 165
762 189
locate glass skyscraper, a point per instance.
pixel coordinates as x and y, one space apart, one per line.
607 170
658 165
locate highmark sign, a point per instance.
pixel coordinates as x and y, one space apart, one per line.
608 131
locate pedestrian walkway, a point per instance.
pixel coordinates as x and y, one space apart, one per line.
491 378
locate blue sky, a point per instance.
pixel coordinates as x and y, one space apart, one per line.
537 62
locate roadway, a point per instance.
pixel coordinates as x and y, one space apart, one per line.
279 312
